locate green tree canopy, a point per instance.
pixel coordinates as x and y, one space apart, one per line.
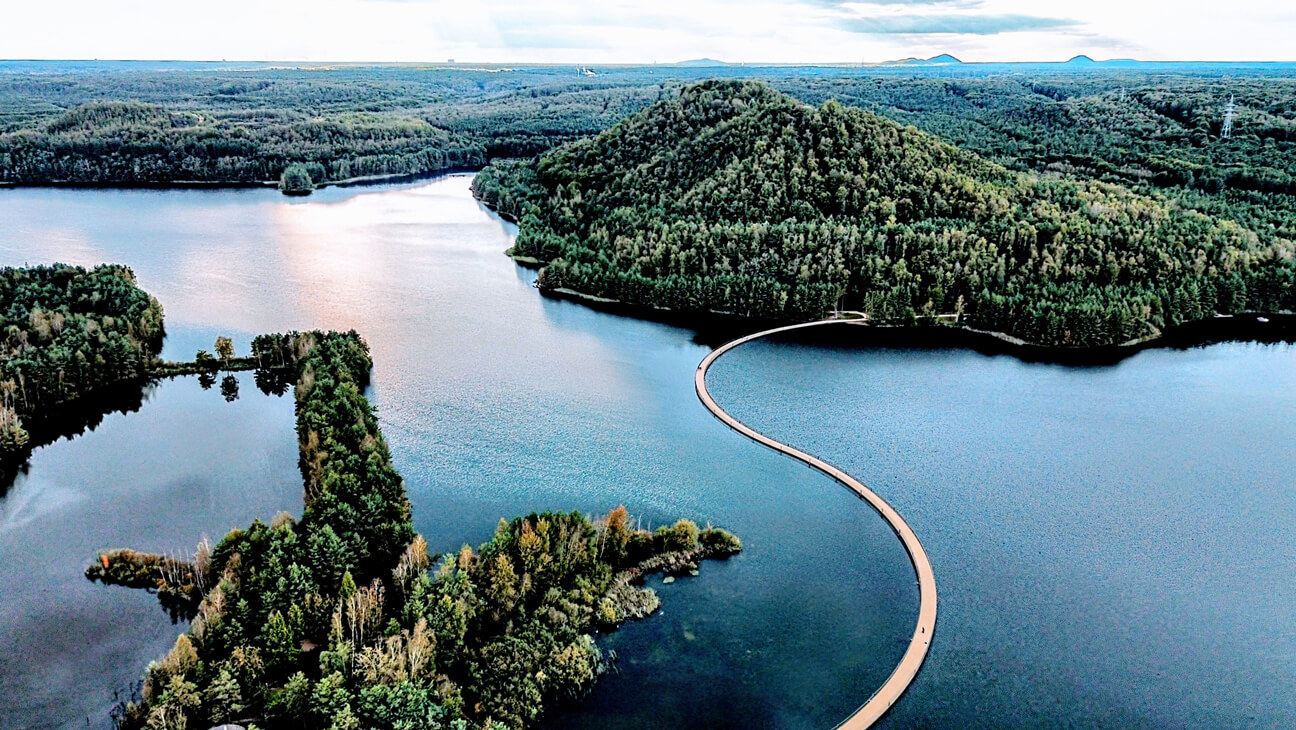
296 179
736 198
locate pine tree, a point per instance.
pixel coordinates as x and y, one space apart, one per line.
223 698
282 646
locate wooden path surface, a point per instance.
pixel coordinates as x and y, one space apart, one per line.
911 662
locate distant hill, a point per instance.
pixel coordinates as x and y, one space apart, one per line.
943 58
736 198
1081 59
700 63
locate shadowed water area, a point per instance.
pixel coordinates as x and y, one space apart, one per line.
495 402
186 464
1113 545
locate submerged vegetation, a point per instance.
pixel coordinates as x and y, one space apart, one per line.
342 619
736 198
68 332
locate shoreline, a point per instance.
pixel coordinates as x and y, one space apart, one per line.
1249 327
715 327
361 181
71 418
911 662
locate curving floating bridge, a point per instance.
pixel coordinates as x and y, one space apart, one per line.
911 662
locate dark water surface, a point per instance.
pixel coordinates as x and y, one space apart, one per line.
1113 546
495 402
187 464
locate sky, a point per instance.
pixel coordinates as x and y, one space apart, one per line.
650 31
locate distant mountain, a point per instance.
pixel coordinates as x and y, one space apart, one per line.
700 63
942 59
1082 59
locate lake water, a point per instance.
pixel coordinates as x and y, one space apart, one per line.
495 400
1113 546
187 464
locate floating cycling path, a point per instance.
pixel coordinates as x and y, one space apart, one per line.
911 662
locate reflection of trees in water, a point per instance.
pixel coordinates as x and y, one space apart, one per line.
122 697
72 419
87 412
229 388
275 382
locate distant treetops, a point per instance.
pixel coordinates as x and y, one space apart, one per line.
135 143
736 198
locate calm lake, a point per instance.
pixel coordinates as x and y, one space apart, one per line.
1112 545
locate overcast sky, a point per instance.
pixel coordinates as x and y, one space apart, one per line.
613 31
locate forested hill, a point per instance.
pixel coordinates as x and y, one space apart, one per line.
1157 127
734 197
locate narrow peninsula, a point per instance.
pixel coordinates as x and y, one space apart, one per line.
340 619
343 619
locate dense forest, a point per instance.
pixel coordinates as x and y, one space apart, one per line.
734 197
343 620
131 142
242 127
1157 127
68 332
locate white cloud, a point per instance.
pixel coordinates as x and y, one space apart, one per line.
565 31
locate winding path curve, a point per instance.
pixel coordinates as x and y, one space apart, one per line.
911 662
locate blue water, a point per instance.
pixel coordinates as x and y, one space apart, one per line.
188 464
1113 546
496 401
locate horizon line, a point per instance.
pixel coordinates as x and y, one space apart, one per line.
614 64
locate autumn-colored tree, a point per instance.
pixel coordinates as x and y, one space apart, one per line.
224 348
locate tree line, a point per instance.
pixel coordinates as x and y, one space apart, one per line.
1155 131
67 332
134 143
736 198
